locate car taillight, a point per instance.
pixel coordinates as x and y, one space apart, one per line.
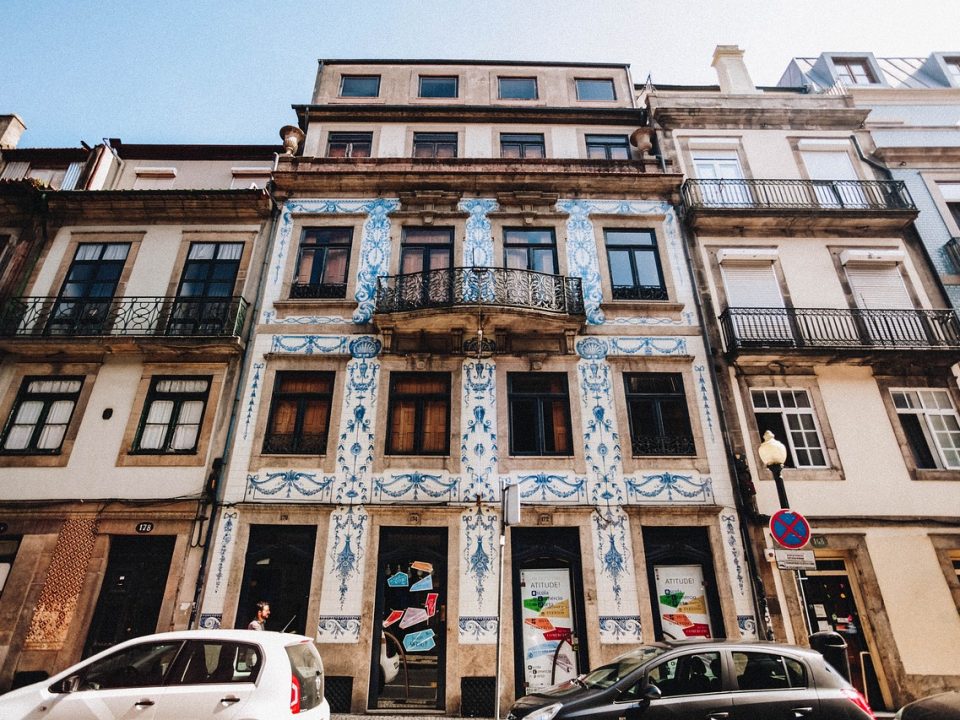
294 694
854 696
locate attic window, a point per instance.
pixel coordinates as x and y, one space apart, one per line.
154 178
953 69
854 71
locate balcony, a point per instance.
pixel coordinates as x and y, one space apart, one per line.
839 329
674 445
852 206
513 300
48 320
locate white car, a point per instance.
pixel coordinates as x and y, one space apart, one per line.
196 674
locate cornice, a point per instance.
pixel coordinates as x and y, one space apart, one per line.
923 156
130 206
806 113
463 114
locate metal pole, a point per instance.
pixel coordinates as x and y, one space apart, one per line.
777 471
503 511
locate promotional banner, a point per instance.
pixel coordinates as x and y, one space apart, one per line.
682 601
547 616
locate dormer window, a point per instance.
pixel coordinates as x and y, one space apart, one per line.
953 69
854 71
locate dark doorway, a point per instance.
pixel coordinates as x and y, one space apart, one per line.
277 569
548 619
132 590
409 638
683 585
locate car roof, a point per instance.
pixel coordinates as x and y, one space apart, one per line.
736 644
261 637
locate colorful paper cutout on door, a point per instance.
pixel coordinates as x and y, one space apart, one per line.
693 606
413 616
535 603
540 624
547 648
431 603
672 599
419 641
425 584
560 609
697 630
393 617
422 566
558 633
400 579
676 618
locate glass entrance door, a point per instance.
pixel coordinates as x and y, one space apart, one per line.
409 634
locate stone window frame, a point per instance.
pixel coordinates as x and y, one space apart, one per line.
326 463
770 253
154 394
947 548
412 132
692 145
133 239
189 237
87 371
418 82
315 396
513 219
129 456
654 223
47 400
420 419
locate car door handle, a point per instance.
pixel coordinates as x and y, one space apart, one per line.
718 715
143 703
230 699
800 712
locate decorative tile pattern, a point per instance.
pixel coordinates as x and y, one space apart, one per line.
211 621
478 240
338 628
748 626
270 318
733 546
374 256
671 487
341 593
62 585
355 446
655 345
548 487
705 399
620 629
479 572
288 485
253 400
309 344
478 630
415 486
479 453
227 526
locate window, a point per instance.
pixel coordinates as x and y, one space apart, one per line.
172 415
425 256
349 145
41 415
299 413
955 563
528 147
635 272
953 69
595 89
659 420
854 71
789 415
83 306
518 88
434 86
214 661
142 665
8 553
608 147
766 671
688 675
204 296
322 263
929 420
530 250
154 178
360 86
419 418
539 407
720 179
435 145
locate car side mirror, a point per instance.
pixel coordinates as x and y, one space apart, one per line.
652 692
66 685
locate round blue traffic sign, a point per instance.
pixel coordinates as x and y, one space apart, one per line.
790 529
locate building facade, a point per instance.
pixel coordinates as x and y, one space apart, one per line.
831 331
477 280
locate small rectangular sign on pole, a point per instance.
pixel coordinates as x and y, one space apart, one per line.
796 560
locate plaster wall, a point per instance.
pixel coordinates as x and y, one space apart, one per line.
200 174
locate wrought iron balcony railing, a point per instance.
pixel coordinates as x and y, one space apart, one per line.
497 287
133 316
292 444
663 445
813 328
830 195
324 290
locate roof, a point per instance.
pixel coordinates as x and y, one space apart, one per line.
518 63
898 72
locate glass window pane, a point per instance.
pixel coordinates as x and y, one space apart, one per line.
648 274
18 438
629 237
335 270
524 427
595 89
620 270
438 87
518 88
51 437
516 258
360 86
402 426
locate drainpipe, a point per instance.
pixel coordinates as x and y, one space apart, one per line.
219 470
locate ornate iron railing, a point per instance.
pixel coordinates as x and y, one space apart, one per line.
138 316
498 287
326 290
813 328
639 292
292 444
663 445
797 194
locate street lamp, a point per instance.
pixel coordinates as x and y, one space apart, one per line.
773 454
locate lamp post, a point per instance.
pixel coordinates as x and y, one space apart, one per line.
773 454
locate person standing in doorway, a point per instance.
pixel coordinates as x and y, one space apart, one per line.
260 621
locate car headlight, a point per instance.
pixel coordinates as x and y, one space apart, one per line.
545 713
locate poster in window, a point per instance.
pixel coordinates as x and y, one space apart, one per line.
682 601
547 617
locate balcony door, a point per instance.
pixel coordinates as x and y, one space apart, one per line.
835 181
424 256
757 310
723 175
887 312
204 296
83 305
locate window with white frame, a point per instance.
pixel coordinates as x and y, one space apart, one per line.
930 422
172 415
789 415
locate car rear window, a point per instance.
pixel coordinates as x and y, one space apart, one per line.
216 661
307 667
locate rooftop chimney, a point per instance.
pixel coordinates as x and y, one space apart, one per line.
731 71
11 128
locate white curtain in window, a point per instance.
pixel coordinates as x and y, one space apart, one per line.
54 386
188 425
182 386
202 251
116 251
230 251
55 426
28 413
88 251
155 428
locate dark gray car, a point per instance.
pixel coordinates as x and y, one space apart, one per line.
712 680
945 706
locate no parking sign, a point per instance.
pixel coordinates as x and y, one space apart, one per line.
790 529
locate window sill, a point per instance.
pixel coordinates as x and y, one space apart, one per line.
805 475
927 474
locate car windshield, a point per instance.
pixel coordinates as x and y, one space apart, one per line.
606 675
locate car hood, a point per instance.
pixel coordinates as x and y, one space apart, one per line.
569 693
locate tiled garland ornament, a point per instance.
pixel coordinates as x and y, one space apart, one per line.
341 596
479 453
223 551
355 450
480 563
478 239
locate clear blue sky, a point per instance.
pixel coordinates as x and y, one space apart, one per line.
200 71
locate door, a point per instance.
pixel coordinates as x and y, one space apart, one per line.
205 294
548 617
835 181
886 314
411 607
832 605
772 686
83 306
692 688
722 182
277 570
755 305
425 259
132 591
